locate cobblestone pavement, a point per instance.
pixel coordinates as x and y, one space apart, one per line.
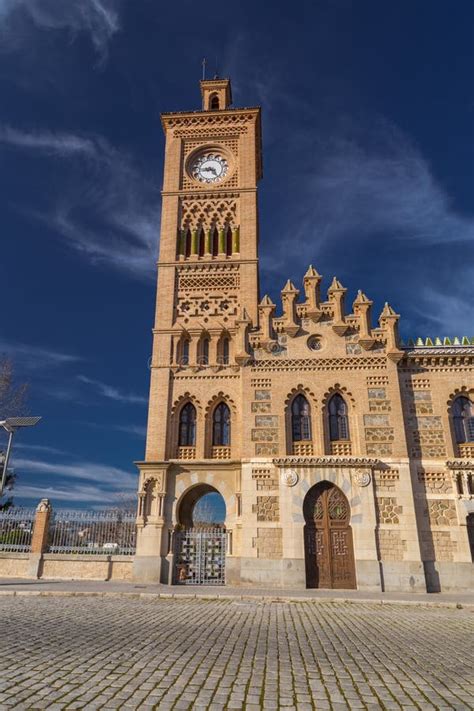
110 653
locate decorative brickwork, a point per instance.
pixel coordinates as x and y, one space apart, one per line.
435 482
439 544
442 512
466 450
261 407
217 339
269 542
388 510
260 382
341 448
391 545
381 449
375 381
267 508
186 453
387 480
379 434
303 449
263 395
266 479
266 450
220 452
264 435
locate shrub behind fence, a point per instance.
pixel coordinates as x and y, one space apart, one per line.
92 532
16 529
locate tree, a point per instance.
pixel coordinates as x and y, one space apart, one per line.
13 399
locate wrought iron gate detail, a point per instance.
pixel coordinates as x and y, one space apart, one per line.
200 556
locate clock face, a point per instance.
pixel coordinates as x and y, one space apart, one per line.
209 168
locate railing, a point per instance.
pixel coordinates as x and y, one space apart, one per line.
16 529
92 532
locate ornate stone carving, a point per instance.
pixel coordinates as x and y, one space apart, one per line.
290 477
44 506
326 461
362 477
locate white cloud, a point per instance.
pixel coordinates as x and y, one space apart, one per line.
118 479
364 183
113 393
71 494
137 430
450 314
61 144
99 18
38 448
29 357
107 209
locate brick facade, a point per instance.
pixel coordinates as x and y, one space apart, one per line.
216 341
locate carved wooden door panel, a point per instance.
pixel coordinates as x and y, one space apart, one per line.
328 539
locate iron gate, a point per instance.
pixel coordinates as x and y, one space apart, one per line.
200 556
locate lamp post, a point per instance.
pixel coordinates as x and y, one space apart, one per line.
11 425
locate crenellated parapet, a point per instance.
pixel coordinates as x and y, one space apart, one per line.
296 314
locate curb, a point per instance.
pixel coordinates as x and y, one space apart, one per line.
468 606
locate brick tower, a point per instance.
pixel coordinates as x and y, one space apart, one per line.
207 292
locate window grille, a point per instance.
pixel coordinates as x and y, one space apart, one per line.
187 426
463 420
338 420
221 426
300 419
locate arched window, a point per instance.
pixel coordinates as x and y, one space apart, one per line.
214 241
187 243
338 420
187 426
204 359
463 419
221 426
214 103
225 351
200 241
300 419
183 357
228 242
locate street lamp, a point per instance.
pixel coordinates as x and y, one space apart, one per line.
10 425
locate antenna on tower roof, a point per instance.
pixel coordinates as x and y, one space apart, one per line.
204 68
216 76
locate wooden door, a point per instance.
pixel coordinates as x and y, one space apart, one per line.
328 539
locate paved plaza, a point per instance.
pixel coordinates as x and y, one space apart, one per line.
117 652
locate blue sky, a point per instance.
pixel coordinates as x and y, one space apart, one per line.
368 170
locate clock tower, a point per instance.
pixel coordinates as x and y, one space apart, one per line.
207 294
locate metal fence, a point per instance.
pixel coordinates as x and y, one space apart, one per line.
16 529
92 532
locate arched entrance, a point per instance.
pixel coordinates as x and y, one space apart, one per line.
200 538
329 551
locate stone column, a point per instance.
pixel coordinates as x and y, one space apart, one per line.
236 241
151 547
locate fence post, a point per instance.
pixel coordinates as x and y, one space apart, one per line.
39 539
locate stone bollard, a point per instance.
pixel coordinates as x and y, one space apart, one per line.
39 539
